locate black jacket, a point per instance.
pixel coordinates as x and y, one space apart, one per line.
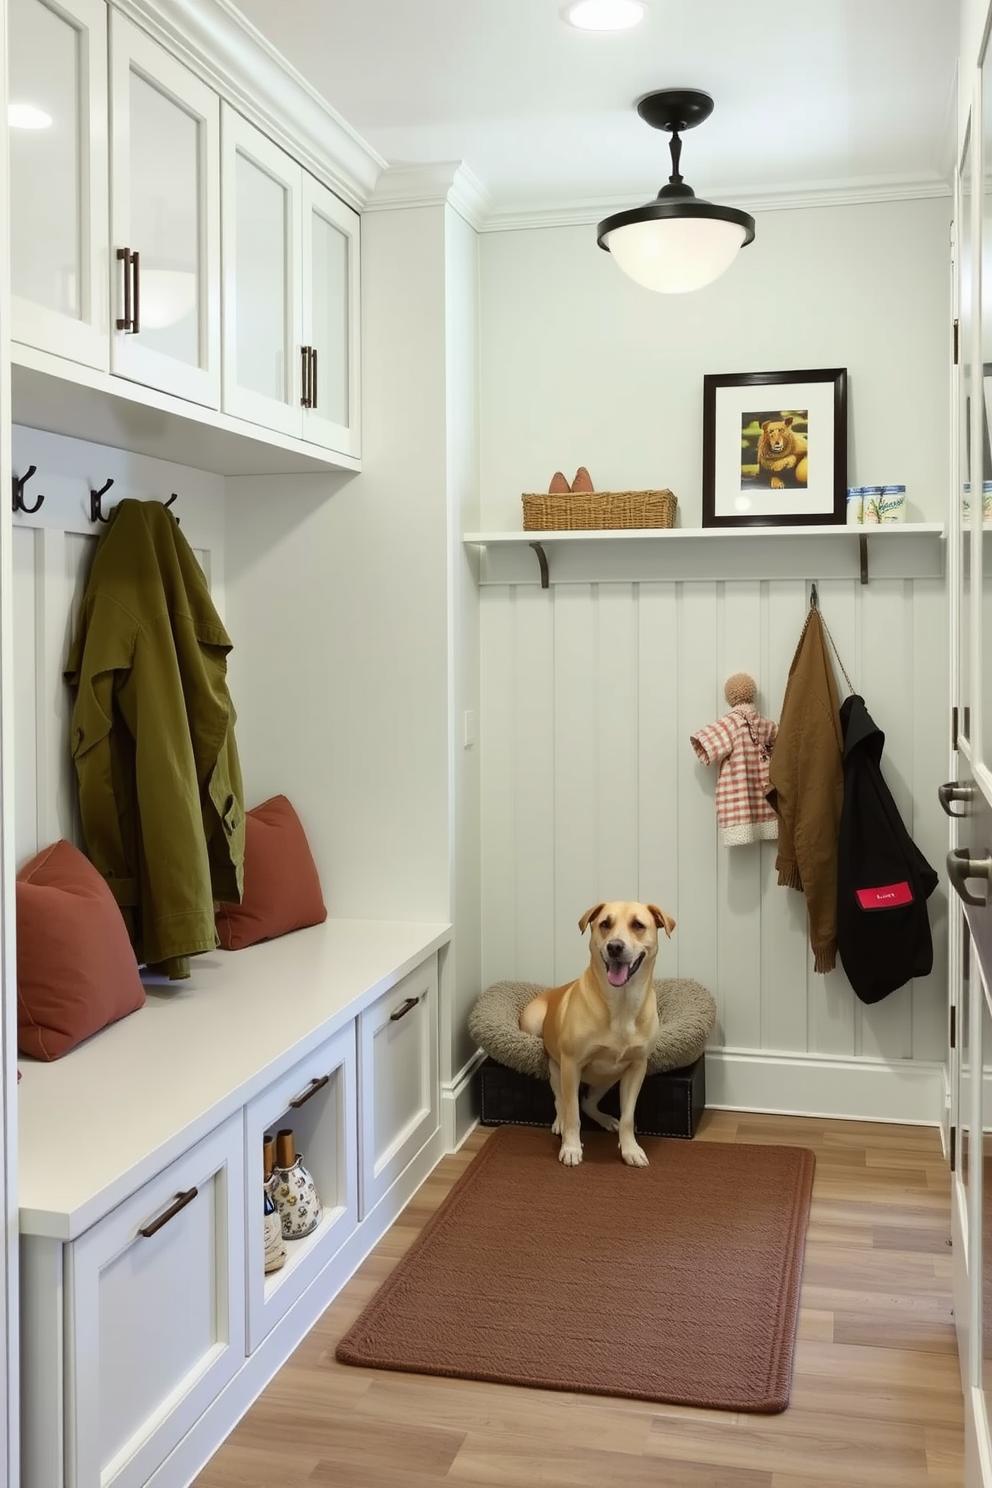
883 880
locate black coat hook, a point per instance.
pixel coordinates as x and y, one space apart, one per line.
96 510
19 482
814 602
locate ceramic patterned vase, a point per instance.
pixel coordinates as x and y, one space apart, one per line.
297 1200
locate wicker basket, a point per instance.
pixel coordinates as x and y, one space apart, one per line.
572 511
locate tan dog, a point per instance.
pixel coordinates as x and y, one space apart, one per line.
780 451
601 1028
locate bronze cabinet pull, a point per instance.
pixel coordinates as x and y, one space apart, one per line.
403 1009
315 1085
305 376
124 256
136 267
180 1203
313 377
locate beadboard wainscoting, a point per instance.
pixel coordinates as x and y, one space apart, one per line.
591 790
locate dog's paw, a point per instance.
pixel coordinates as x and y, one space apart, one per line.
634 1156
556 1127
571 1155
777 484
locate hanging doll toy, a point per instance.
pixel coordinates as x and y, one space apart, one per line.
741 744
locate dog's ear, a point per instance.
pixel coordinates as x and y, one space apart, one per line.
788 422
765 425
590 914
662 920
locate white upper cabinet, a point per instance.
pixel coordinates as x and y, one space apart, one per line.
261 189
59 253
331 315
165 202
291 294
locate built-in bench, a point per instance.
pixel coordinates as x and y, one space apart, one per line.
143 1278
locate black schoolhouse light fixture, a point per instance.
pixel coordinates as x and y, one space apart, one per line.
677 242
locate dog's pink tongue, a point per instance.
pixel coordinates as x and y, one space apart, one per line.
617 975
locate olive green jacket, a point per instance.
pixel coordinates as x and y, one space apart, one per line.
152 736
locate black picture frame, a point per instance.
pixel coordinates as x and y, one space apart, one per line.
799 477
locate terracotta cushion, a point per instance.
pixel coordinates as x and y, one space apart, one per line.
76 970
281 887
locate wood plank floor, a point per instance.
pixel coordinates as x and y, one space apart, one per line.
876 1398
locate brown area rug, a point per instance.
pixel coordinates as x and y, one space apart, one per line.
678 1282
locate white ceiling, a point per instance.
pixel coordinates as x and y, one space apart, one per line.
814 98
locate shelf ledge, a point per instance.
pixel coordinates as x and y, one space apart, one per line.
903 550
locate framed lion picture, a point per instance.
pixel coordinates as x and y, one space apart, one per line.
775 448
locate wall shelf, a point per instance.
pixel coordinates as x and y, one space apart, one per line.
910 550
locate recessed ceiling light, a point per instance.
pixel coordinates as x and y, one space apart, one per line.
604 15
26 116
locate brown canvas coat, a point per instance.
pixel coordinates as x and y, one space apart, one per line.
806 778
152 737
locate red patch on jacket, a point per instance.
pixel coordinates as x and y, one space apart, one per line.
887 897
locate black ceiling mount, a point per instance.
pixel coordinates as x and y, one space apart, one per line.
675 109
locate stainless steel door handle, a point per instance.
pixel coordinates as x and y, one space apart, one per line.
955 790
961 866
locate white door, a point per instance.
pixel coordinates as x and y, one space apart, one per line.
59 246
263 346
165 202
331 311
969 796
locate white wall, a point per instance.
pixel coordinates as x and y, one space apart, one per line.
337 587
355 612
583 367
590 690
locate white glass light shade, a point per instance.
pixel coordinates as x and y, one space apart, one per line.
604 15
676 254
167 296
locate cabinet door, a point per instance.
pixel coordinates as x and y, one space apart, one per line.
397 1043
155 1313
331 320
261 190
318 1101
165 194
59 250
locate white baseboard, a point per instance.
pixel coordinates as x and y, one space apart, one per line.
220 1418
907 1092
460 1104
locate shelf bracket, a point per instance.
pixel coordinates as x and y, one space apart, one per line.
542 559
863 546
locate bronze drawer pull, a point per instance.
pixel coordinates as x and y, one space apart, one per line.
314 1086
181 1201
405 1008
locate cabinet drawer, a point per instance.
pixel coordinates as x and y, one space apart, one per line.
318 1100
154 1314
398 1064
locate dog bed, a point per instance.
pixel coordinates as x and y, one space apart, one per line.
686 1011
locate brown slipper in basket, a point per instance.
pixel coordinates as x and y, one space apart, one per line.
583 480
559 485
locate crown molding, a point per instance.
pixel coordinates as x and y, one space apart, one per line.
214 40
449 182
789 198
